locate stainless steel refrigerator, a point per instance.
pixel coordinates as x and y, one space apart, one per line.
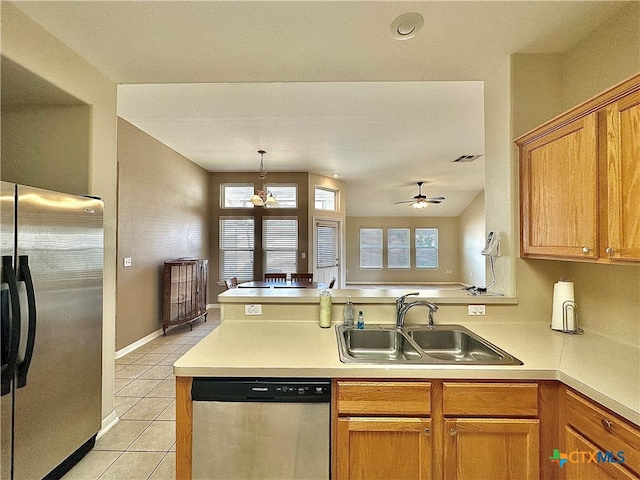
52 261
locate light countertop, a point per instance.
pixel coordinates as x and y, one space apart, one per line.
600 367
364 295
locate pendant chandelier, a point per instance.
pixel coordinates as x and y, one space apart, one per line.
263 197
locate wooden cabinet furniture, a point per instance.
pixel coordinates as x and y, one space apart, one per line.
489 430
580 181
184 297
597 443
623 173
451 430
382 430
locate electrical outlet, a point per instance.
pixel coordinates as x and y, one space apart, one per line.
127 261
253 309
476 310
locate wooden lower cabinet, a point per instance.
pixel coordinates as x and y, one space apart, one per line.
482 448
379 448
579 466
597 443
441 430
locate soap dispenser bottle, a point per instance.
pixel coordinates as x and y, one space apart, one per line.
360 320
349 314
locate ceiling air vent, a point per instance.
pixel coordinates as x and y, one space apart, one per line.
466 158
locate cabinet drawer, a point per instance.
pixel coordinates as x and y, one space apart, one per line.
490 399
605 430
383 398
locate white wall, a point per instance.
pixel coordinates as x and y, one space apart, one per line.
27 44
471 228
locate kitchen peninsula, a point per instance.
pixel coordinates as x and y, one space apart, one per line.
286 341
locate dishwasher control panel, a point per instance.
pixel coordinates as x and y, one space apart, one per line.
261 390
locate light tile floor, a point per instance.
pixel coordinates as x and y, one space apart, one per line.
141 445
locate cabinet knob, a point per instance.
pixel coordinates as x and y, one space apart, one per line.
610 250
606 423
427 431
453 432
586 249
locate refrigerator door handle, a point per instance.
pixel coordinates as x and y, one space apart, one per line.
10 323
24 275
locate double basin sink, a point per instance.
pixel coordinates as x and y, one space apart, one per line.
440 344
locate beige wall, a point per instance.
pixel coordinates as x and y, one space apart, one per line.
163 213
608 296
47 147
216 284
471 230
605 57
27 44
448 253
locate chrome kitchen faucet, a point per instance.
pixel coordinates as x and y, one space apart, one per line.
402 308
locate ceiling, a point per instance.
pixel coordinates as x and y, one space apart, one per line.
320 85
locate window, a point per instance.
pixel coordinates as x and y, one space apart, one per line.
325 199
285 195
236 195
398 248
236 247
370 248
426 248
280 244
327 245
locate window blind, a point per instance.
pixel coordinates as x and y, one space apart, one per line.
237 242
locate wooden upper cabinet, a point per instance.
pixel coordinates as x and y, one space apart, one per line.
580 181
559 192
623 173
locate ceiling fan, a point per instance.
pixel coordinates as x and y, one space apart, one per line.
421 201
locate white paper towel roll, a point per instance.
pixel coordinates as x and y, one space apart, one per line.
563 292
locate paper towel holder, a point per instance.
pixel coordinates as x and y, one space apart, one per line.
570 306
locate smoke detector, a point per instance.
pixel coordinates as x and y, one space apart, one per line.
406 26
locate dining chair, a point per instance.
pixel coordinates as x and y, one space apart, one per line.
231 283
302 277
332 282
275 277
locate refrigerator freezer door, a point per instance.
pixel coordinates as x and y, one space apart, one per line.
7 242
59 407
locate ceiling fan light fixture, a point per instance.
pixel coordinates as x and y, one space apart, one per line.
421 201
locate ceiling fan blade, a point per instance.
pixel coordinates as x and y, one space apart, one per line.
433 201
436 198
407 201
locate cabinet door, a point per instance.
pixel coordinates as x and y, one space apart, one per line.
623 178
559 192
477 449
372 448
581 466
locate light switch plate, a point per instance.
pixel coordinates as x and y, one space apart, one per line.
253 309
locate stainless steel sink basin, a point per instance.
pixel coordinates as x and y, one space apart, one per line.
379 345
442 344
456 344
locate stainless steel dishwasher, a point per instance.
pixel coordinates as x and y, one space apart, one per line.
268 429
